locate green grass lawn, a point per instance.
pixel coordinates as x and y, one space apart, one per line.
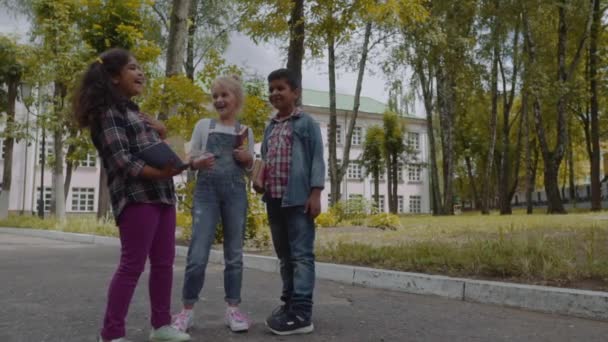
561 250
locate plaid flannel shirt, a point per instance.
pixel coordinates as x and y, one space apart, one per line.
118 137
278 157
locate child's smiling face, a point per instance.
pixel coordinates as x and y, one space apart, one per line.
282 96
224 101
131 79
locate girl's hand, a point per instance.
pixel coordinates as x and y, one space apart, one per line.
156 125
243 156
206 161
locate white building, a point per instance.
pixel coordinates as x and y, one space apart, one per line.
413 188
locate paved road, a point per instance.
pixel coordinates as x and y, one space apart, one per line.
55 291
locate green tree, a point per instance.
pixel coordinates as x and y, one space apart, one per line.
394 148
11 71
373 157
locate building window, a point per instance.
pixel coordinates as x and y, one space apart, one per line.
415 204
400 204
354 196
329 199
2 151
47 197
355 171
48 145
180 202
413 140
380 204
83 199
382 176
413 173
357 136
338 134
89 161
400 173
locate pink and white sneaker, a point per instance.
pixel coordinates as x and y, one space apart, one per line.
183 320
237 320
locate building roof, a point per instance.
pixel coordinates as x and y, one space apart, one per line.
316 98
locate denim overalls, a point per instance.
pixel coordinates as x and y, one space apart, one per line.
220 192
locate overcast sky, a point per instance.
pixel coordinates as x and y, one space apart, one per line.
260 59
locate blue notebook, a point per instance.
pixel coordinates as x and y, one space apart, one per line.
159 155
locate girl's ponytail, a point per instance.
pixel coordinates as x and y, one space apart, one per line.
96 93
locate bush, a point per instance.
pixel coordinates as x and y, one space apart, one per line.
355 210
327 219
86 224
384 221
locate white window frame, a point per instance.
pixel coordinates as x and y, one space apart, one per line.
2 150
357 138
354 171
338 134
50 151
400 204
89 161
414 172
83 199
381 203
413 140
48 198
415 204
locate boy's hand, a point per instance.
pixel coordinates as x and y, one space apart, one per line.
313 205
243 156
156 125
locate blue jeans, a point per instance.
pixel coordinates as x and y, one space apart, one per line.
216 197
293 236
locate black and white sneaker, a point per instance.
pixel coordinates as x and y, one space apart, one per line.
289 323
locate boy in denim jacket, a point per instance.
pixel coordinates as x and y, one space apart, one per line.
294 178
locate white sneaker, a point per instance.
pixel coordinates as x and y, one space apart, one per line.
237 320
168 333
183 320
122 339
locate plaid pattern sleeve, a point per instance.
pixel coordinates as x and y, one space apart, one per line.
278 157
120 136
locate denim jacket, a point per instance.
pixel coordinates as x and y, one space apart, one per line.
307 169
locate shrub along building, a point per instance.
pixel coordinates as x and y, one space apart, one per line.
83 193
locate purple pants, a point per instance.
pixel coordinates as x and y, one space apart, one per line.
146 230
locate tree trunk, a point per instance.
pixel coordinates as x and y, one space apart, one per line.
377 186
529 180
505 191
487 176
333 122
192 15
393 201
9 142
103 202
177 45
69 168
572 182
472 181
596 190
295 52
389 180
58 181
353 120
445 94
427 94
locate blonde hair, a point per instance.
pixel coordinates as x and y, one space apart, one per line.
234 85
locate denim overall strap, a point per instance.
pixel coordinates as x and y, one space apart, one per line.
222 146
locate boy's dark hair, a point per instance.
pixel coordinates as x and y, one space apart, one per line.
287 75
96 93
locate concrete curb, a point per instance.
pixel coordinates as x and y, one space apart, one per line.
572 302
